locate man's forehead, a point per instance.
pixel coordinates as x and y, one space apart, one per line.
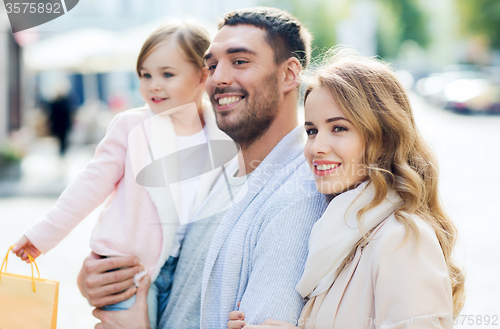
242 35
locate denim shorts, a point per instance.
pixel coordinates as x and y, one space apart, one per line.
158 294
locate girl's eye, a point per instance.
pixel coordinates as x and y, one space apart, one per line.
338 129
167 75
311 131
146 75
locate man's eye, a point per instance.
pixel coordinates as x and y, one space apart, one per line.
338 129
212 67
240 62
167 75
311 131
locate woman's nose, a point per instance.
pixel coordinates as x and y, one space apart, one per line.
319 145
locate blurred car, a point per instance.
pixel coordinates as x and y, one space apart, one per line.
463 88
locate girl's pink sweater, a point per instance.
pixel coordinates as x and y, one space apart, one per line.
129 223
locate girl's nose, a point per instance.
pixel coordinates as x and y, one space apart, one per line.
155 85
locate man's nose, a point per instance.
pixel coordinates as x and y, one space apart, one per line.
222 75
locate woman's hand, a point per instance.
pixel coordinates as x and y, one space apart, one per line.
236 322
271 324
135 317
102 287
23 247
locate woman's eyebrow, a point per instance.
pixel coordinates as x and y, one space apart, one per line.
308 123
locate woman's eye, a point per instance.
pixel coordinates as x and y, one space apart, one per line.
167 75
311 131
339 129
146 75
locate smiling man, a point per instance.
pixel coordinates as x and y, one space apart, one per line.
253 252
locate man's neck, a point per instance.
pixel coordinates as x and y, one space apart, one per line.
252 155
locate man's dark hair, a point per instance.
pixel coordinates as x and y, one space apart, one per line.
284 33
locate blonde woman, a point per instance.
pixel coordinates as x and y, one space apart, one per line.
380 256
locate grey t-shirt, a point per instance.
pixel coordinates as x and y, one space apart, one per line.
184 306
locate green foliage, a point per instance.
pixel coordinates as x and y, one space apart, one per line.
319 16
400 20
481 17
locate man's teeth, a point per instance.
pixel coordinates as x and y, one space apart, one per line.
327 167
228 100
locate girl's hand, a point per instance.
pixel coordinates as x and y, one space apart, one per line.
24 246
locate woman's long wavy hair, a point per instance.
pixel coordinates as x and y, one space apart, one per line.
396 156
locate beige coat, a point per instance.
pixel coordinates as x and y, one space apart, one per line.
387 285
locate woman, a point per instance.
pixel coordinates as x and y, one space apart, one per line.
380 256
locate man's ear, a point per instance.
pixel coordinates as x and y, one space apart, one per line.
291 76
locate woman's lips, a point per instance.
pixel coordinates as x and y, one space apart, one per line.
324 170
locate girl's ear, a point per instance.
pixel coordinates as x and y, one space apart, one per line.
291 78
204 75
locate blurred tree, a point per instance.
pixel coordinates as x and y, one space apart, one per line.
319 16
399 20
481 17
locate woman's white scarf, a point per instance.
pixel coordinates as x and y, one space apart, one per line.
336 233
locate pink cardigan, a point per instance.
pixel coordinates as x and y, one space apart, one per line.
129 223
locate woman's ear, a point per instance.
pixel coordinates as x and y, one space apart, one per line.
291 77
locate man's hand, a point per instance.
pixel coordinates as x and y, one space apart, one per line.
135 317
101 287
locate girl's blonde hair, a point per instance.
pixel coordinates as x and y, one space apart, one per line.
192 39
396 156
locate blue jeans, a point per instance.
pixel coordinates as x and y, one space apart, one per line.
158 294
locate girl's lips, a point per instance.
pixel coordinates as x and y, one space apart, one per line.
157 101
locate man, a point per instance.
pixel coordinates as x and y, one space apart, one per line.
254 252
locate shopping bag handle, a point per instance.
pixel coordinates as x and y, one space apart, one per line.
32 261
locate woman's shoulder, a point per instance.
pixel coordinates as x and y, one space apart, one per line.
395 237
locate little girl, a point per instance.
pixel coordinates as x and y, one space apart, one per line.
141 217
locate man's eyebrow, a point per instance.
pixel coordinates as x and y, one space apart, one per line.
336 119
232 50
207 56
240 50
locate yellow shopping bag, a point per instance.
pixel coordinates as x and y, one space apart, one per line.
26 301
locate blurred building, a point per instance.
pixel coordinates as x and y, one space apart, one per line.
10 79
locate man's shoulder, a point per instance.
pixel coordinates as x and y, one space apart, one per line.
296 196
